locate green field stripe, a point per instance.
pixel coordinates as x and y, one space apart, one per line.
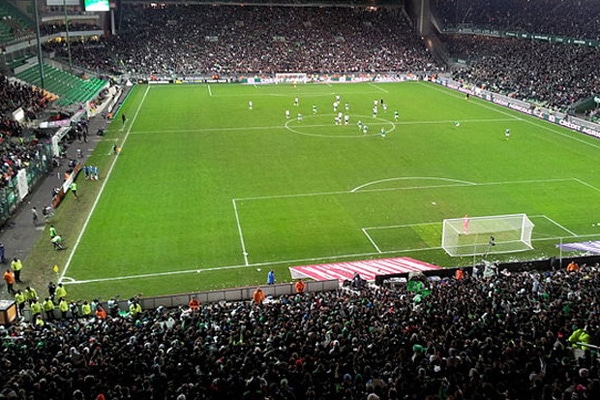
561 227
563 132
239 227
206 184
457 183
365 231
73 250
587 184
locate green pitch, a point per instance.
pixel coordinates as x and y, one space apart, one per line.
208 193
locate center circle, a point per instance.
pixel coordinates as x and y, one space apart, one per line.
294 125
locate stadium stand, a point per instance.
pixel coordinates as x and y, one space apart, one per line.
527 70
69 88
13 25
19 146
54 27
363 43
558 17
499 336
519 335
284 39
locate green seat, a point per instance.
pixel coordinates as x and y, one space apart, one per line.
68 87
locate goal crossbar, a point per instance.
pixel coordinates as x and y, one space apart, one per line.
469 236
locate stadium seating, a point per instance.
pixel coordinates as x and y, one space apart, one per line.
13 24
69 88
495 336
557 17
281 39
527 70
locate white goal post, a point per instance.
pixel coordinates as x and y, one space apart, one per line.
469 236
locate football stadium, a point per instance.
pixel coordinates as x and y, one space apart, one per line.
393 199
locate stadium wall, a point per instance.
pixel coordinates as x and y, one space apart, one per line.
227 294
533 266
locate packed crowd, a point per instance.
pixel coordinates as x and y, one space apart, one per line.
56 27
554 75
490 336
559 17
229 40
14 95
17 149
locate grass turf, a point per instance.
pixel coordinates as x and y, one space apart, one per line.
201 179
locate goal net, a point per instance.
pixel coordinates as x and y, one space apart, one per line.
470 236
291 78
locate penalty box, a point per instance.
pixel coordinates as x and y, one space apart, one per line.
386 219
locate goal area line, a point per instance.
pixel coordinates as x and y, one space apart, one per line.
381 248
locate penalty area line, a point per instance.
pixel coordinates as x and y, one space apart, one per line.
371 240
239 226
561 226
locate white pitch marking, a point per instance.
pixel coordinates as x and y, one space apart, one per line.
209 91
378 88
400 226
110 169
239 226
72 281
315 194
483 105
411 177
560 226
587 184
262 128
371 240
531 122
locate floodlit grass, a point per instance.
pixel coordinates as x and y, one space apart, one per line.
202 179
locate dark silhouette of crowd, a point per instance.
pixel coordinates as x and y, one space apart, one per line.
231 40
496 335
549 74
569 18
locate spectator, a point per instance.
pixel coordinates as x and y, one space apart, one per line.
300 286
572 267
527 70
194 304
487 338
576 19
215 40
258 296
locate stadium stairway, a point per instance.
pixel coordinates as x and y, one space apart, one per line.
69 88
